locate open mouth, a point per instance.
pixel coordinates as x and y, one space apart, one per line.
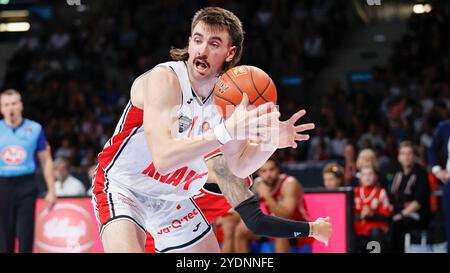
201 66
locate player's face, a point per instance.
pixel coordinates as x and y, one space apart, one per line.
330 181
11 106
209 48
368 177
406 156
269 173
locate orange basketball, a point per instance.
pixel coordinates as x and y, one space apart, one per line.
252 80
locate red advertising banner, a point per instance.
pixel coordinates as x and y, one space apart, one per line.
334 205
70 227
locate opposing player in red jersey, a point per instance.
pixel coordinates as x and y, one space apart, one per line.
372 210
280 195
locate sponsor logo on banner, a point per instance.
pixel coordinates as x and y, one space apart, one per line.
66 228
13 154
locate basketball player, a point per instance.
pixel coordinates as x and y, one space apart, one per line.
153 164
223 191
280 195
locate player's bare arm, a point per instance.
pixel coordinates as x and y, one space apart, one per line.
234 189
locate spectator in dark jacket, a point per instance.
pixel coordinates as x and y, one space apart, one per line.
410 197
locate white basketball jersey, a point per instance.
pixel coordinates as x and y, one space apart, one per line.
127 160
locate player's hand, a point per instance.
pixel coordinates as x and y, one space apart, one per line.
322 229
50 200
443 176
289 133
253 123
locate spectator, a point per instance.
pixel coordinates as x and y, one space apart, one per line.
319 145
337 145
59 39
368 157
333 176
372 210
66 184
373 137
410 197
66 151
349 163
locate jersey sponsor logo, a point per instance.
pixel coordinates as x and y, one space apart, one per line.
178 223
181 176
13 154
184 123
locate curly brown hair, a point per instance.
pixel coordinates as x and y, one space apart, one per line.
216 18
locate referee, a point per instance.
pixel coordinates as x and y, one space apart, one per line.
22 141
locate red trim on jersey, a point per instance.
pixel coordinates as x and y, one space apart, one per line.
101 197
192 126
149 243
213 154
132 119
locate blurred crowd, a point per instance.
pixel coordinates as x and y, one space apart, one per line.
75 75
405 100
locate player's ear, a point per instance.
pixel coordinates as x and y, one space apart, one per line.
230 54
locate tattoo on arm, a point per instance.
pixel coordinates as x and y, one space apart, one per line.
234 189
